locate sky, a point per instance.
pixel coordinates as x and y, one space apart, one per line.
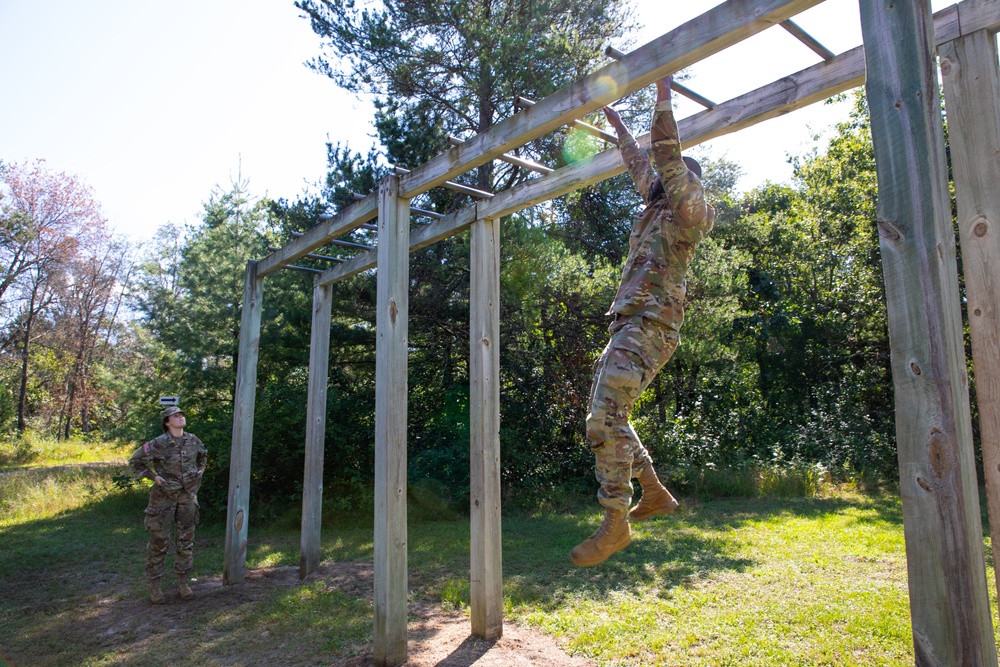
155 104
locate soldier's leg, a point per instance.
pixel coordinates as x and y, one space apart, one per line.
187 519
654 344
616 383
158 521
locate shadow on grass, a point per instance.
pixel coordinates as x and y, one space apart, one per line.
665 553
74 590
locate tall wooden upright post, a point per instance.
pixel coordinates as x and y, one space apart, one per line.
312 484
972 96
391 331
234 568
486 587
949 606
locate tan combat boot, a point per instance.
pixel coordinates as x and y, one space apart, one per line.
655 497
613 536
156 596
183 589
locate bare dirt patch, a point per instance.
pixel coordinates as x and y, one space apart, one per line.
105 615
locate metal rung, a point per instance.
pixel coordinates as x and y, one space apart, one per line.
323 217
346 244
425 212
293 267
524 103
511 159
358 196
326 258
452 185
807 39
350 244
681 89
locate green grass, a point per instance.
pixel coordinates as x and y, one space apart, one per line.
760 581
32 450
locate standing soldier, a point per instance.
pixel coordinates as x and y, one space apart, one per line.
175 461
648 311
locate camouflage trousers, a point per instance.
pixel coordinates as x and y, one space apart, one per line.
164 515
638 349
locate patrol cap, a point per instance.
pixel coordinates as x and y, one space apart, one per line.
172 410
693 165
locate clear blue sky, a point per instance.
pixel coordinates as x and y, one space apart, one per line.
153 104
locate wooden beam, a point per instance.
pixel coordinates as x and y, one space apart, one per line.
949 604
718 28
391 330
486 558
234 568
795 91
972 95
312 480
347 220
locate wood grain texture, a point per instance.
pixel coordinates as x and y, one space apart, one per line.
391 332
972 97
312 480
949 606
718 28
486 578
234 567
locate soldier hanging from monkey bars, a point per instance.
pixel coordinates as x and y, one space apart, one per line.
648 311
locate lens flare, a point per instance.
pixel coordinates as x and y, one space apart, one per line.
604 85
578 146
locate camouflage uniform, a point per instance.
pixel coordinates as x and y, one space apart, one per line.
649 306
178 462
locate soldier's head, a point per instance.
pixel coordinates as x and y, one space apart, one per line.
172 416
692 165
656 189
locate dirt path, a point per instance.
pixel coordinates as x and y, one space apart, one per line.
106 616
436 637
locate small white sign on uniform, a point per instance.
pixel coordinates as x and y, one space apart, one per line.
169 400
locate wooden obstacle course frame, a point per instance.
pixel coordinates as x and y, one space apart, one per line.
945 559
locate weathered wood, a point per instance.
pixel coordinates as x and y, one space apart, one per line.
808 86
718 28
312 480
795 91
234 567
391 331
349 219
972 96
486 578
949 606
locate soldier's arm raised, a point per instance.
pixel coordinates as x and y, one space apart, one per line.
636 160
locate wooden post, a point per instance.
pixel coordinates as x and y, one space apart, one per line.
972 95
312 485
486 589
234 568
391 330
949 607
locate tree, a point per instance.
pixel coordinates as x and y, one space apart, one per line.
97 279
40 214
43 216
437 70
455 68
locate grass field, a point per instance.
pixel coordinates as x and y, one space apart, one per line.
815 581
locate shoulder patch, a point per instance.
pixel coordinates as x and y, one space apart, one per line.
145 448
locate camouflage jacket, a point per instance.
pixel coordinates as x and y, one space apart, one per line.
666 232
176 462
